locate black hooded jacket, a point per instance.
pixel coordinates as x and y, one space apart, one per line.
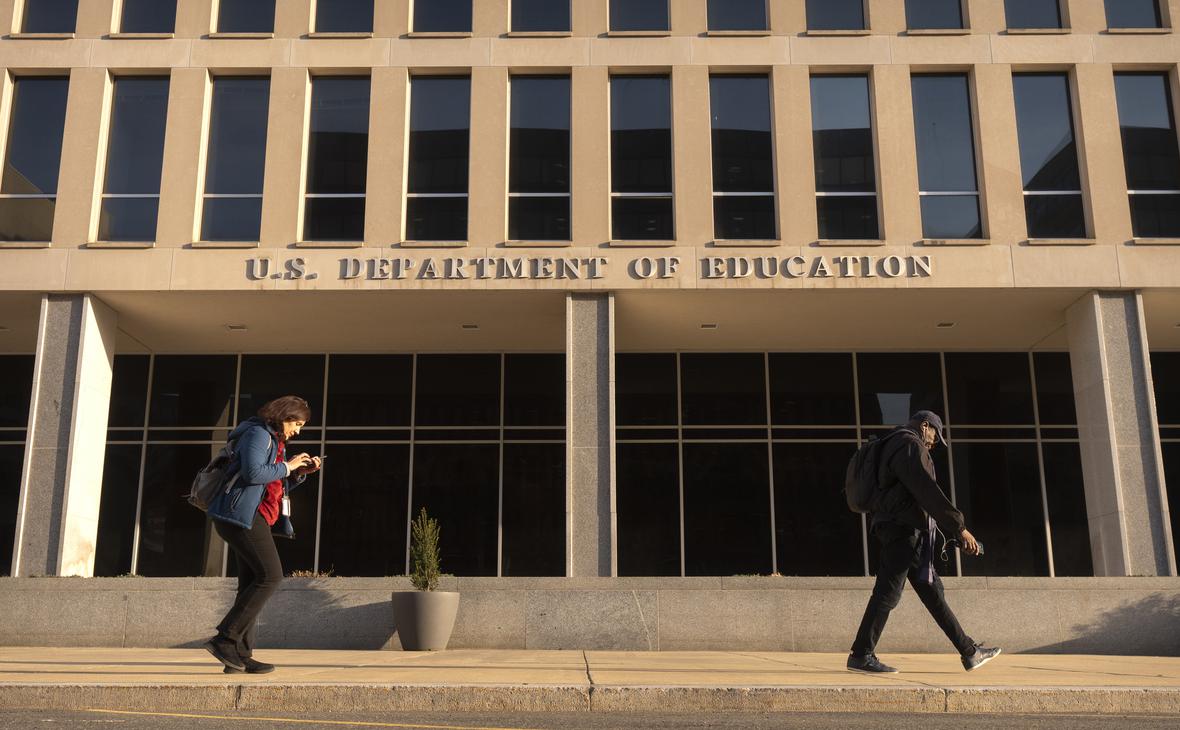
910 488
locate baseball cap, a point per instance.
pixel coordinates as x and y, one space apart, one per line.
932 418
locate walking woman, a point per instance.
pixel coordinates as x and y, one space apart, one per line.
243 516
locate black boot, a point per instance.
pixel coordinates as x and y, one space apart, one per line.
225 651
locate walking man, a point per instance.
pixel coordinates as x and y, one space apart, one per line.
910 510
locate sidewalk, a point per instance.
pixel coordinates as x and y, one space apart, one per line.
572 681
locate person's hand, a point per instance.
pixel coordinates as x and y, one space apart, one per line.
313 465
970 544
299 462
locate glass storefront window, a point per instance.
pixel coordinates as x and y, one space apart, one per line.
16 384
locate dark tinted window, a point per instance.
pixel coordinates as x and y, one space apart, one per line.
440 127
540 15
11 465
49 16
645 390
1171 452
946 157
723 389
1150 152
1032 13
1068 522
363 528
931 14
810 514
534 509
1048 156
16 387
129 391
148 16
33 155
998 486
135 158
845 172
266 377
1133 14
458 390
369 390
539 165
338 157
737 15
193 390
458 484
1165 373
639 15
116 512
172 535
246 16
641 157
648 497
344 16
989 388
534 390
835 14
236 160
811 389
1055 404
442 16
726 509
743 157
894 386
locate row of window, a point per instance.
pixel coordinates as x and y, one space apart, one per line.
539 191
454 16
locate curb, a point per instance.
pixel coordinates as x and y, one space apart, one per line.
557 698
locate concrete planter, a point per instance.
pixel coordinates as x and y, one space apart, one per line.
424 619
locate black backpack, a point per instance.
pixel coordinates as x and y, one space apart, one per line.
210 481
860 479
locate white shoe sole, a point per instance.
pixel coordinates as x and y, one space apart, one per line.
985 661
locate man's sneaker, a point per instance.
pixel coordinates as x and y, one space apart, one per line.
869 664
981 656
226 652
252 667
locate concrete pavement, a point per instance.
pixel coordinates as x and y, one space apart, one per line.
578 681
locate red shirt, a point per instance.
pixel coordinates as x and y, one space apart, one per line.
269 507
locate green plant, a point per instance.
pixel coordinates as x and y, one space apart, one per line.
424 558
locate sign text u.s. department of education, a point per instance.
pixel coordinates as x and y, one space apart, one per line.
502 268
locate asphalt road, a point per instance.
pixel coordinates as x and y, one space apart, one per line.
100 720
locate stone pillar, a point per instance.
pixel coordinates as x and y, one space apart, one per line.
1122 464
61 483
590 429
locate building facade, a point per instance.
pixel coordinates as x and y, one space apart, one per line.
612 288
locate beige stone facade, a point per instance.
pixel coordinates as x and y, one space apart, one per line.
1001 292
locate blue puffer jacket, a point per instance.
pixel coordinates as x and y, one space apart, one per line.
257 450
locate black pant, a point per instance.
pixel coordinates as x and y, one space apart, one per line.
901 552
259 575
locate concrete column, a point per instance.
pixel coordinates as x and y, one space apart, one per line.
388 127
286 155
1122 464
61 483
590 428
897 151
182 182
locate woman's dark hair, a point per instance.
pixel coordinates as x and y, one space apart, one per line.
285 408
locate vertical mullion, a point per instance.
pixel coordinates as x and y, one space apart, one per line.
147 410
680 459
1032 373
950 452
864 520
413 437
234 421
500 478
319 500
770 457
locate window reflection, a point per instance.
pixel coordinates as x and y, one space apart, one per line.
539 165
338 159
440 131
135 159
1048 156
743 157
1150 152
641 158
845 172
28 187
946 157
236 159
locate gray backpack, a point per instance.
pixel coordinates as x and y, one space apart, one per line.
210 481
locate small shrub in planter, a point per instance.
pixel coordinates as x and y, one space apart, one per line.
424 618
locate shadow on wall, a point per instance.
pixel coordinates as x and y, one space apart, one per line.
1147 627
307 616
